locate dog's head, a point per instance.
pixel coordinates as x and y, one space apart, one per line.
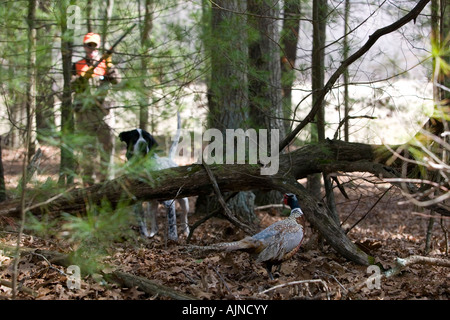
139 142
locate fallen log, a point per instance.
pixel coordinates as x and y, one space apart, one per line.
329 156
194 180
129 280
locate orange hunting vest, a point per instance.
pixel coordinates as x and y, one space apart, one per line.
82 66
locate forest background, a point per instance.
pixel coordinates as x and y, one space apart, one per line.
315 70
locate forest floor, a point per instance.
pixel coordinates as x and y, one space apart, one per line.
388 231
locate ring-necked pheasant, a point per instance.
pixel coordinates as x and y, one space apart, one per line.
275 244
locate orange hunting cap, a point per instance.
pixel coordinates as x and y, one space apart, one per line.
92 37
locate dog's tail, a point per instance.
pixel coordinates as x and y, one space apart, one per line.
174 146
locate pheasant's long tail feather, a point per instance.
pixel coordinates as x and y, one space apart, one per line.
246 243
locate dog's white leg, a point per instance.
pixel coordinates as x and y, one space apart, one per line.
171 219
153 211
184 204
141 218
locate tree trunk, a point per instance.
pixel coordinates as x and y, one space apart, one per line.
320 12
264 78
89 12
145 63
227 87
2 176
45 113
444 35
346 50
265 94
228 81
289 42
31 75
317 81
67 164
106 18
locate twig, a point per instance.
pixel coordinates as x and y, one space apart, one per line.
365 215
292 283
199 222
334 278
224 283
354 209
222 202
37 205
268 206
341 123
444 229
206 218
49 263
189 277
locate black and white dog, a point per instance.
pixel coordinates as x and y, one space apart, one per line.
139 144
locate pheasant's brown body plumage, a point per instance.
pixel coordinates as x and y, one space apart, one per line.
273 245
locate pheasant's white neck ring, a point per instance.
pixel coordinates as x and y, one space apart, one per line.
297 210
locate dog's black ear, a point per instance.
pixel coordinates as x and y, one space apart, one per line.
150 140
124 136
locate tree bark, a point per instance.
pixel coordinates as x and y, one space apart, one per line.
265 93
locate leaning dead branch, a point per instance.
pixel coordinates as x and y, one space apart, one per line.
403 263
400 265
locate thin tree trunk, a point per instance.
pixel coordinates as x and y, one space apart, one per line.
67 165
29 136
31 75
145 64
289 42
106 18
2 176
444 36
45 113
89 15
317 80
346 76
